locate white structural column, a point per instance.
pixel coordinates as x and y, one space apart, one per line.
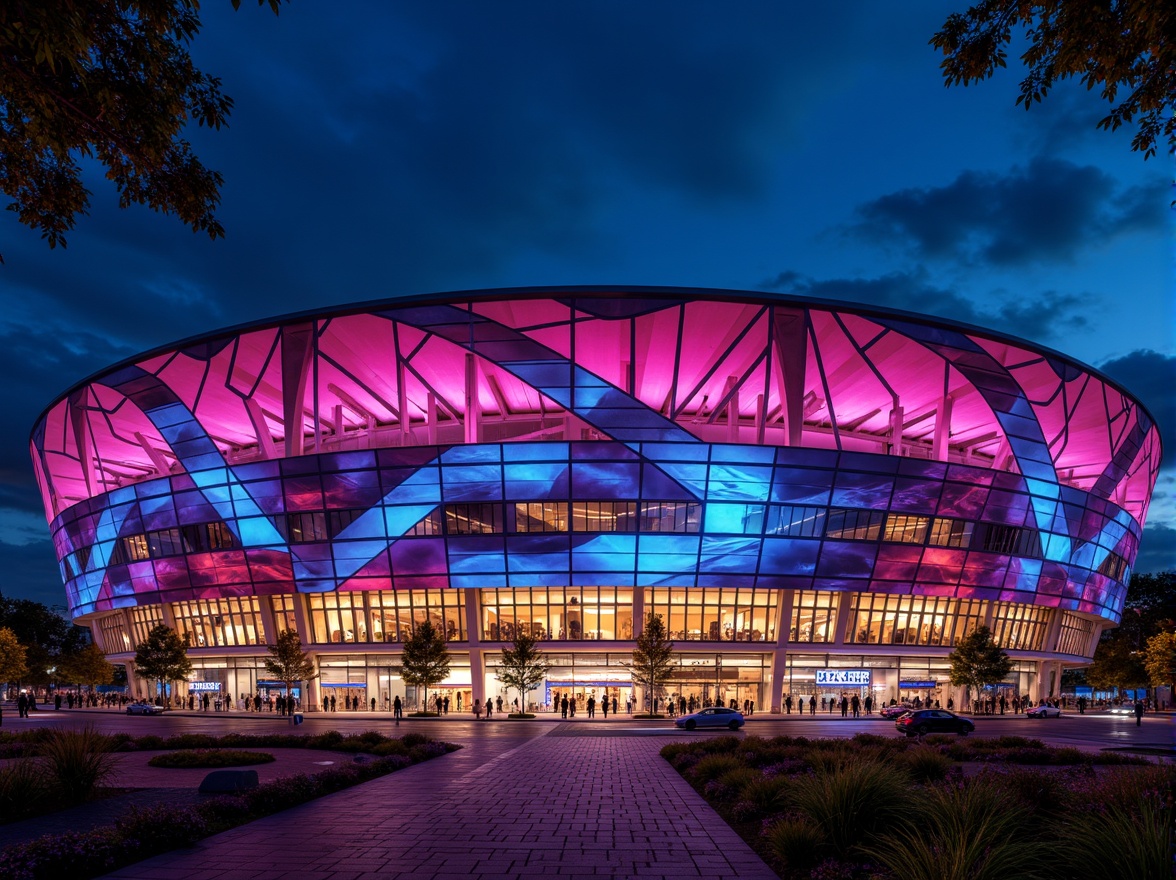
474 637
297 349
780 651
791 339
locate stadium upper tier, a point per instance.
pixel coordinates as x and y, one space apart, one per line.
752 406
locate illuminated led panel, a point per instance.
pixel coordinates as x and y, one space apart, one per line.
598 436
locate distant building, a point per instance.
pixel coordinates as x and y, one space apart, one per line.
817 497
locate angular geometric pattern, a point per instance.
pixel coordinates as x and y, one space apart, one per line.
383 415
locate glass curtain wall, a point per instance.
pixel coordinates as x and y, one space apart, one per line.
715 614
559 613
345 617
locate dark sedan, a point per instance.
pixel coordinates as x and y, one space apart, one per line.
926 721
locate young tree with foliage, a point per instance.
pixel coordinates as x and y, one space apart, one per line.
425 661
163 656
978 661
1160 659
88 667
288 663
1123 49
523 667
12 663
653 657
110 81
1116 664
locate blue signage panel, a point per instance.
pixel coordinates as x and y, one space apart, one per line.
844 677
204 686
918 683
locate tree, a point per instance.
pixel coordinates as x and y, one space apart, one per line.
110 80
45 634
1124 48
1160 659
12 662
289 663
1116 665
653 657
88 666
523 667
978 661
163 656
425 660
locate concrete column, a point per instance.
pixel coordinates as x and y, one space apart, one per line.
312 701
1052 630
478 674
638 611
779 674
780 653
269 624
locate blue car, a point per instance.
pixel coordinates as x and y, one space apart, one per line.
715 717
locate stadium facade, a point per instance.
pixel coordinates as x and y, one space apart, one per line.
817 497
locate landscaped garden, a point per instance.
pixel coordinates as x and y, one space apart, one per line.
886 808
49 770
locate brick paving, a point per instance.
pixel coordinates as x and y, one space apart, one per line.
502 807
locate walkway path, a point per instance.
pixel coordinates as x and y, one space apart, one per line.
548 806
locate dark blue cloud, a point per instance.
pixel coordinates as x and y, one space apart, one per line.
1151 377
1050 315
1049 210
1157 550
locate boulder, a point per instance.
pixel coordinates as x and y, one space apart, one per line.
228 781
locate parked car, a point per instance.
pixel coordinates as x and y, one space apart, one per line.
1044 711
142 707
895 711
933 721
716 717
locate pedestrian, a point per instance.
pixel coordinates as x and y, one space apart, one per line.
844 706
332 704
445 703
856 703
591 707
500 704
813 704
788 705
604 706
615 705
477 709
1139 713
564 706
489 707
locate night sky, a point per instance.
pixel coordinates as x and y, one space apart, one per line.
378 150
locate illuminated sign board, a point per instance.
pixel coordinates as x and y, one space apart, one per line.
844 677
204 686
918 683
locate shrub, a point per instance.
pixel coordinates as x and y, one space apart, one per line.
852 802
23 788
1117 841
714 766
965 831
1043 792
413 739
63 855
729 785
329 740
926 763
797 843
192 741
210 758
391 747
78 761
163 827
764 797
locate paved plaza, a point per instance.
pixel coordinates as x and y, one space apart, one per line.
529 806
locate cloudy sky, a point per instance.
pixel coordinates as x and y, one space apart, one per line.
381 149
